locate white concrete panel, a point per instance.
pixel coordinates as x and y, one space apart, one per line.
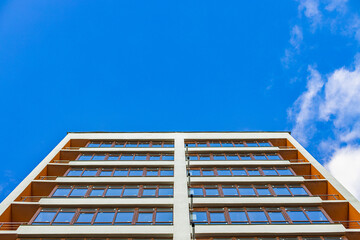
233 149
240 163
113 149
248 179
122 180
121 163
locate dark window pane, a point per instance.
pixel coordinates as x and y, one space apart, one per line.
257 216
164 217
64 217
247 192
224 172
230 191
104 217
199 217
121 173
74 173
45 217
238 216
281 191
114 192
298 191
165 192
217 217
61 192
131 192
85 218
124 217
78 192
298 216
316 215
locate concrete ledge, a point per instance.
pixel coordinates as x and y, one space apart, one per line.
113 149
103 180
233 149
240 163
248 179
255 201
263 230
106 202
95 231
122 163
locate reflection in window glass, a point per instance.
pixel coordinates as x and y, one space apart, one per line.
273 157
61 192
113 192
224 172
145 217
45 217
199 217
208 173
232 157
136 172
104 218
297 216
257 216
212 192
121 173
131 192
74 173
277 217
239 172
89 173
217 217
124 217
166 172
285 172
78 192
194 172
98 157
165 192
149 192
230 191
298 191
238 217
254 172
196 191
168 157
85 218
164 217
316 216
246 191
281 191
270 172
85 157
64 218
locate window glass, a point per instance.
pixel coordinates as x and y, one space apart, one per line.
145 217
217 217
98 157
149 192
166 217
104 218
226 144
264 144
245 157
113 157
253 172
281 191
106 173
224 172
166 172
297 216
64 218
219 157
74 173
285 172
246 191
230 191
196 191
126 157
239 172
298 191
239 144
263 191
85 218
238 216
270 172
140 157
208 172
131 144
85 157
257 216
199 217
168 144
97 192
119 144
276 216
152 173
62 192
193 157
194 172
116 192
167 157
89 173
94 144
202 144
136 172
212 192
121 173
106 144
232 157
131 192
78 192
155 157
143 144
251 144
165 192
260 157
44 217
204 157
316 216
215 144
273 157
124 217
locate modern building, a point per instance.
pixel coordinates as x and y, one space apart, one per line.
182 186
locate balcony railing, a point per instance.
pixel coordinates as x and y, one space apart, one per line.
296 160
71 148
60 161
11 226
47 178
350 224
31 198
312 176
328 196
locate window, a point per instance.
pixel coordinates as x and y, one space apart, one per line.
165 192
124 217
79 192
199 217
104 216
196 191
165 217
257 216
298 191
238 217
224 172
89 173
316 215
74 173
217 218
246 191
131 192
45 216
281 191
85 217
230 191
106 172
62 192
114 192
64 217
297 216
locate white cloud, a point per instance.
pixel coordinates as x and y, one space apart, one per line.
296 37
345 166
311 10
337 5
304 108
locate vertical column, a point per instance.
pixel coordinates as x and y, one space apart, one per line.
181 200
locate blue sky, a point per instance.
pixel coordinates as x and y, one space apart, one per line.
179 66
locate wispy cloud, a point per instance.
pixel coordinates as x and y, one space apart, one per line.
296 38
310 8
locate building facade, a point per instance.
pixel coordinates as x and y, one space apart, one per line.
182 186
